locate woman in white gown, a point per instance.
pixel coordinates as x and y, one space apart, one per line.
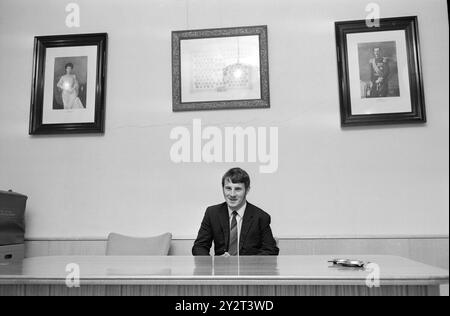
68 83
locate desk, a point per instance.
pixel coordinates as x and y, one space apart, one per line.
218 276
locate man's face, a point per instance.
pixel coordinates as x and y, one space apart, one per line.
376 52
235 194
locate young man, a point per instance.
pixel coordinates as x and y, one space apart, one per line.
236 226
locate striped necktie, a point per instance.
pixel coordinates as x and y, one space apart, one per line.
233 246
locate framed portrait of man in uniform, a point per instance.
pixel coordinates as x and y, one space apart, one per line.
380 78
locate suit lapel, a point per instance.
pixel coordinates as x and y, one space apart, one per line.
225 223
247 222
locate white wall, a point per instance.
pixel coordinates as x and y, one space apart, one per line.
360 181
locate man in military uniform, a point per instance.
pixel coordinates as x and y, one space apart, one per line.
379 75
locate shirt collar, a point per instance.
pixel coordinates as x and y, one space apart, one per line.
240 211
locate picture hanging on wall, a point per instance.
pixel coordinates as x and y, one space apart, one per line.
380 78
220 69
68 88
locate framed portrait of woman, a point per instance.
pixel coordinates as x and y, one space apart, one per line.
68 87
380 77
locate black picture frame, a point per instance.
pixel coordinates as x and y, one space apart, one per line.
179 101
97 91
390 95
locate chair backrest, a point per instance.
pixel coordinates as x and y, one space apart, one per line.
120 245
277 241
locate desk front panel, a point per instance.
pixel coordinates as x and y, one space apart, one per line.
171 275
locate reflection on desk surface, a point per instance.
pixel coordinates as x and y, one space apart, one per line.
261 267
236 266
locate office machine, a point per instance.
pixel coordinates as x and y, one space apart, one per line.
12 226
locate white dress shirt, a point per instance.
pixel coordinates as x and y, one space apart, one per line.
239 218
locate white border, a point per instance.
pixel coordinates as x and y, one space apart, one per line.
87 115
378 105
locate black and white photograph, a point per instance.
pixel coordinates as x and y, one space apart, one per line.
220 69
70 78
380 72
69 84
223 157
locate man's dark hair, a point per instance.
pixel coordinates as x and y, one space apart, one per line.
68 65
237 175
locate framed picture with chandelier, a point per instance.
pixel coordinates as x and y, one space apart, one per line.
224 68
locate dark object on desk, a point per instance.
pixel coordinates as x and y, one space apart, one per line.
12 226
348 263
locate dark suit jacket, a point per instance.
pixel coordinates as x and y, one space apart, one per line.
256 236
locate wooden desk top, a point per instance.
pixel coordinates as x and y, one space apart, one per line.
178 270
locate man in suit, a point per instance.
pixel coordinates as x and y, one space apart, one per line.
236 226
